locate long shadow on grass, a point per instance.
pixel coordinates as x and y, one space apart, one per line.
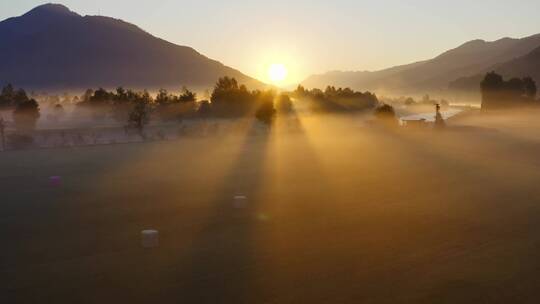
227 262
221 262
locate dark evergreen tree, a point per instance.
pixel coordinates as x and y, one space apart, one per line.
7 96
139 117
500 94
26 115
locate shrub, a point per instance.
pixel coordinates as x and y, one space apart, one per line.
385 114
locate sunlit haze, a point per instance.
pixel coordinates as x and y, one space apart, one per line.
314 36
228 151
277 73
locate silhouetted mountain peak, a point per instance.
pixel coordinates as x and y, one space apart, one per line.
51 47
51 9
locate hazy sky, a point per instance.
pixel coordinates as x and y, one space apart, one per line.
314 36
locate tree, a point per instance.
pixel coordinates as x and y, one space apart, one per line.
26 115
444 103
53 100
491 87
426 99
8 90
87 95
59 111
205 109
187 95
515 87
266 112
121 95
530 87
66 99
498 93
20 96
6 97
170 107
284 104
122 103
165 105
139 117
163 98
300 91
386 115
409 101
187 103
336 100
230 99
225 84
101 97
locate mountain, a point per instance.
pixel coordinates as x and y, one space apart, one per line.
51 47
528 65
432 75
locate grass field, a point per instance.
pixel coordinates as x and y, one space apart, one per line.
337 213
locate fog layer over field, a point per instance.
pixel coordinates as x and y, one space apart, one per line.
338 211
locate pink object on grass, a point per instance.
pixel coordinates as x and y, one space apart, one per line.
55 180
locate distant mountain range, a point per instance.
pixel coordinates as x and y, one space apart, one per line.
459 69
527 65
51 47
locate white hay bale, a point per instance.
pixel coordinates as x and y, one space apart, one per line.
149 238
240 201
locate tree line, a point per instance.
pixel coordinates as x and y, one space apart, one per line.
25 109
228 100
498 93
336 100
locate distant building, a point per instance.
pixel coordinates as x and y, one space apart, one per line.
415 123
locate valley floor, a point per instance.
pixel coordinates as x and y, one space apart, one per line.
337 213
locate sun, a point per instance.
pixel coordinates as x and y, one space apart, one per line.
277 72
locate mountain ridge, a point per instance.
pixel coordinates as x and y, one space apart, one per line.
433 75
51 47
524 66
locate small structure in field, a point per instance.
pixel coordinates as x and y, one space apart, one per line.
415 123
439 120
240 201
149 238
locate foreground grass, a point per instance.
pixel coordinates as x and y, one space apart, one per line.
335 215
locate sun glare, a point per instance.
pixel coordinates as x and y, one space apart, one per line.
277 72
